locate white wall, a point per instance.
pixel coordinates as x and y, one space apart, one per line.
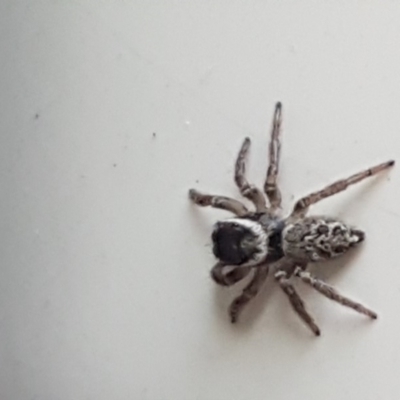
104 279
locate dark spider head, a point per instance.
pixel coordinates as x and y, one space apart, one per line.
240 241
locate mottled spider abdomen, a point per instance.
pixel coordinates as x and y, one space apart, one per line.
318 238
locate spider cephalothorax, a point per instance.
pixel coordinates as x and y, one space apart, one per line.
251 241
240 241
257 237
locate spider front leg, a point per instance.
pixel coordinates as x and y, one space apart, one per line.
228 278
331 293
247 190
249 292
270 186
221 202
302 205
296 301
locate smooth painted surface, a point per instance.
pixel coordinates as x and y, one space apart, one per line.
110 112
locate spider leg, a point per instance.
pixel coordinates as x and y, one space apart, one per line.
249 292
270 185
302 205
296 301
247 190
228 278
221 202
331 293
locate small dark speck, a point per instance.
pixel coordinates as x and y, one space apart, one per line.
114 165
197 181
154 134
37 116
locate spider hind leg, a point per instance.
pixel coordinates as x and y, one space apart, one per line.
332 294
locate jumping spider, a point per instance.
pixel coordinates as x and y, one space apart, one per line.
253 240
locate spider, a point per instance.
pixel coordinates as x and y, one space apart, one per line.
252 241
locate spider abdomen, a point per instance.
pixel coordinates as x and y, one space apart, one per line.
318 238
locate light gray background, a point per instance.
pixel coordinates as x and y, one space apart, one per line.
104 280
